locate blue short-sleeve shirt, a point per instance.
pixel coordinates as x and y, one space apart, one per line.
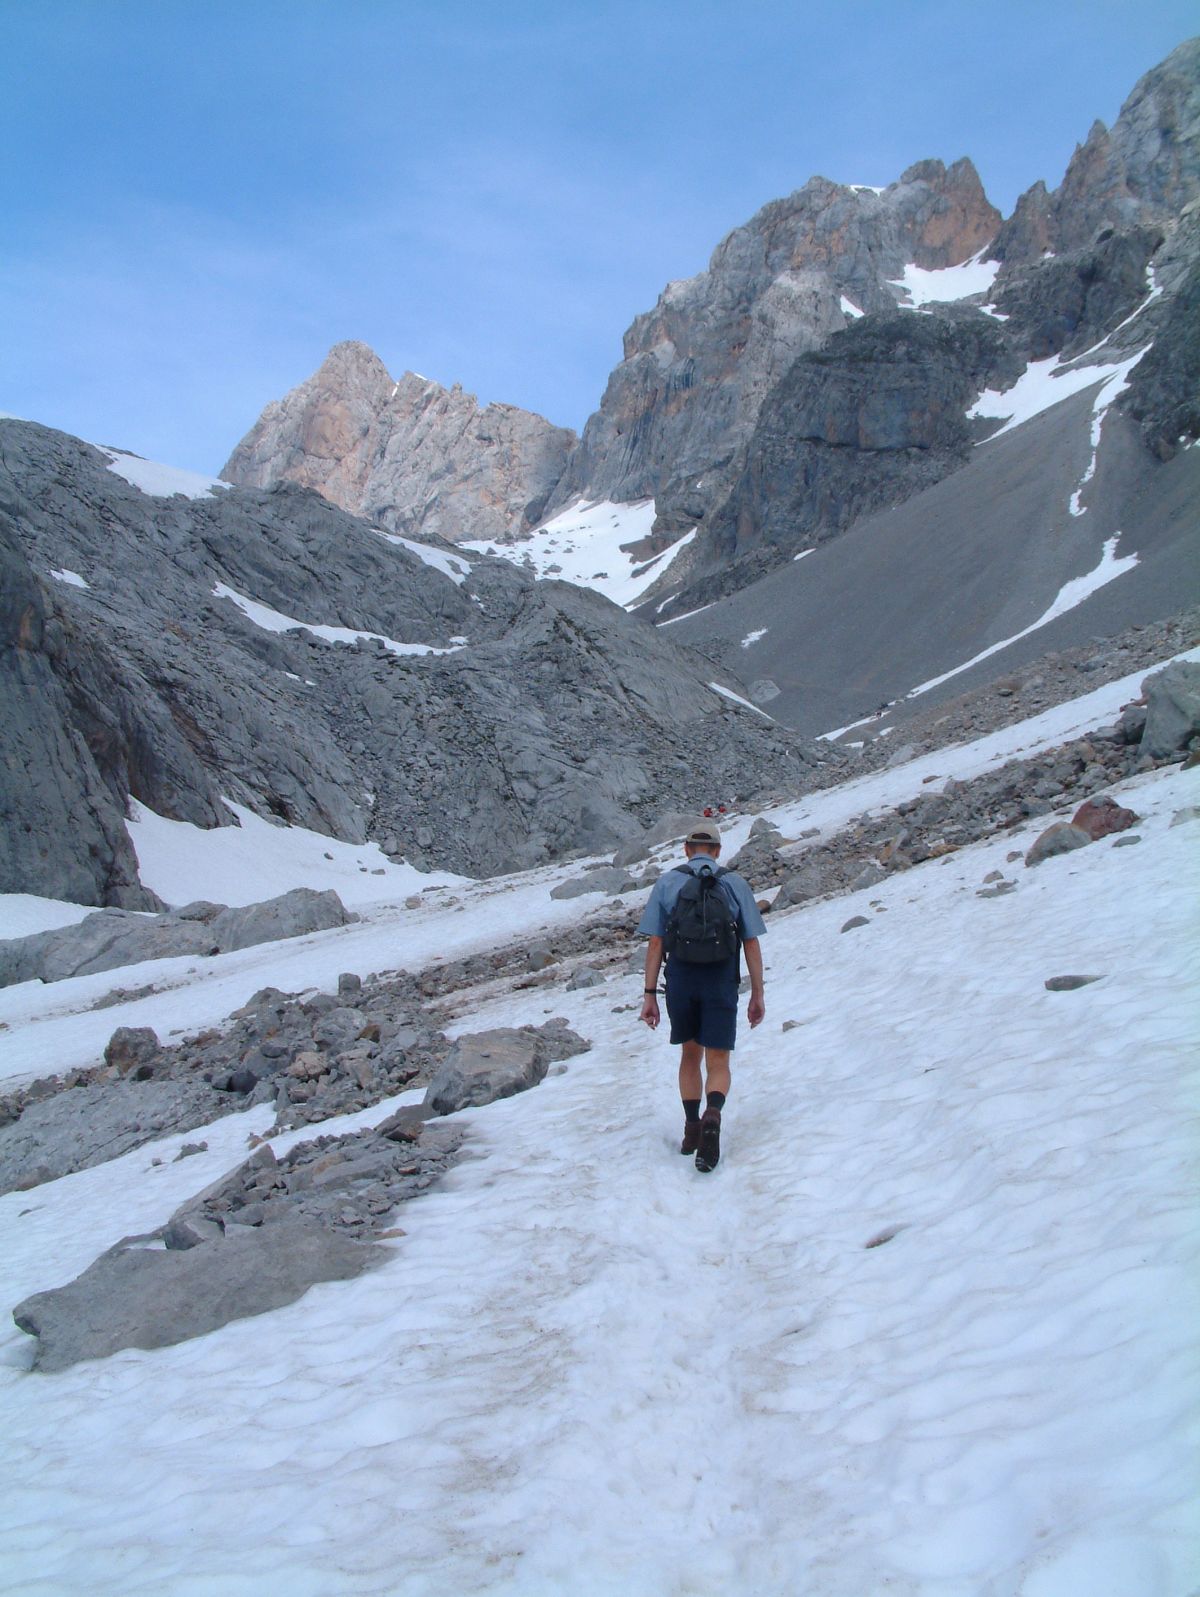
735 888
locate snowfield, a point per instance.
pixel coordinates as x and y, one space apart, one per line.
928 1330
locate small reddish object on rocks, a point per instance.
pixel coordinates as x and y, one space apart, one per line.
1098 817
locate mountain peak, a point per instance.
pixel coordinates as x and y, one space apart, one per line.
409 453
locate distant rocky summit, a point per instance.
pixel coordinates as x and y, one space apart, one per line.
411 455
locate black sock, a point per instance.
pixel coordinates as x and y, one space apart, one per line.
716 1100
691 1108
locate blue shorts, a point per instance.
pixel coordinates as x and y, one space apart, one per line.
702 1003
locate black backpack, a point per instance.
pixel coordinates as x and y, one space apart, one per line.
701 928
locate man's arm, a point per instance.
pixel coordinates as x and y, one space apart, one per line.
757 1007
654 959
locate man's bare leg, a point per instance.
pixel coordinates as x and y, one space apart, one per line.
690 1085
716 1070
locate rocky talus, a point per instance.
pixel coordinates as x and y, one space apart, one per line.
412 456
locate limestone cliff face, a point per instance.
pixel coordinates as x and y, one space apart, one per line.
411 455
699 365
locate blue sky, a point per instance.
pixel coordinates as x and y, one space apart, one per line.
199 197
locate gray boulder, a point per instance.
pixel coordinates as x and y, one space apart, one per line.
131 1046
631 852
496 1064
800 887
609 879
490 1065
870 876
759 860
1061 838
669 828
114 937
150 1297
1172 709
293 914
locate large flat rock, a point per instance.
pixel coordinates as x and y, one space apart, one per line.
152 1297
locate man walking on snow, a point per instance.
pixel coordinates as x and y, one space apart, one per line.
699 916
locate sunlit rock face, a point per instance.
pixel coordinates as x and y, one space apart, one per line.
417 458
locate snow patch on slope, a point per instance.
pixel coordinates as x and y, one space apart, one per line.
1071 593
920 286
583 545
262 615
1042 384
736 698
161 482
449 565
24 914
505 1404
256 859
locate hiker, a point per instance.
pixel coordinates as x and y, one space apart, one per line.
700 916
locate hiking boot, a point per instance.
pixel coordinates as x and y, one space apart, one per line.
708 1154
691 1136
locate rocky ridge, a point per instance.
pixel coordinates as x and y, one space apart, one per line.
698 368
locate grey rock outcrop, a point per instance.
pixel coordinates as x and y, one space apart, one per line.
1061 838
411 455
872 418
68 713
115 937
608 879
150 1297
1145 170
88 1125
349 1183
1172 709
